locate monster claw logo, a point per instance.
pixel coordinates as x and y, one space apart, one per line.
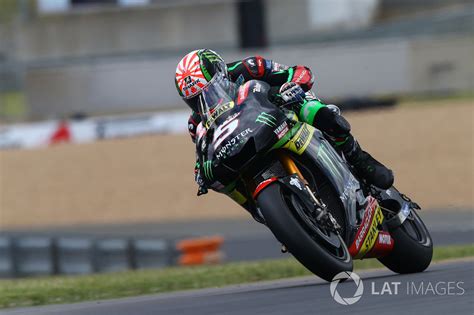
187 80
266 119
211 56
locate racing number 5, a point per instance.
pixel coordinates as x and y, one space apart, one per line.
224 130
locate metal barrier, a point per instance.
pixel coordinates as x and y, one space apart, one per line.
74 256
32 256
152 254
113 255
6 258
24 256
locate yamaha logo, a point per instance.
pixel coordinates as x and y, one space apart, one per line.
345 275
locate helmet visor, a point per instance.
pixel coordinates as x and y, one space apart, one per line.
193 103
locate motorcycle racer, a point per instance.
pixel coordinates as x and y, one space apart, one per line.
290 85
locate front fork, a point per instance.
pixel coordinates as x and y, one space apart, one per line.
290 167
369 240
322 213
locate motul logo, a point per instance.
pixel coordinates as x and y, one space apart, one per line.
385 239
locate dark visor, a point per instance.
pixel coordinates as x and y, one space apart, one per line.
193 102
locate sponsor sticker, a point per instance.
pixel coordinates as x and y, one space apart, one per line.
281 130
266 119
295 182
243 93
301 140
257 87
218 112
279 67
368 231
232 144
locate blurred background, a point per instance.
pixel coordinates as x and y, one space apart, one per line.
96 77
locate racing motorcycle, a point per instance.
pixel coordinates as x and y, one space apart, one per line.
295 182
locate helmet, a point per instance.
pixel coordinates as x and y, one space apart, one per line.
194 72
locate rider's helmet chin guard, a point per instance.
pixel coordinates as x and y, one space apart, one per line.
194 72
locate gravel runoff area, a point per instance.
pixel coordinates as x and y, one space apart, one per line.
149 179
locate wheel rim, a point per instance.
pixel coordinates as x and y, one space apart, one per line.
332 242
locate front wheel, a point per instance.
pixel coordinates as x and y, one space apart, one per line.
323 253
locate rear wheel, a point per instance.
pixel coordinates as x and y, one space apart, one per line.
413 247
322 251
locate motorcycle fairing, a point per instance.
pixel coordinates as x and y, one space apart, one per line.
255 123
368 232
391 198
314 147
239 133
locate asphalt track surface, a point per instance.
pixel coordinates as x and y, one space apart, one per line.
451 283
246 239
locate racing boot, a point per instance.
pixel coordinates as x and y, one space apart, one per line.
374 172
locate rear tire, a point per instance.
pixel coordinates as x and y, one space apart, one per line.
413 247
284 224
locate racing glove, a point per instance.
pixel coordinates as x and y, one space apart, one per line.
292 92
202 189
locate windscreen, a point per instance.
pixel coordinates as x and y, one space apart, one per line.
218 95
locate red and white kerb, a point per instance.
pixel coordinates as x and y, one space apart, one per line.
189 76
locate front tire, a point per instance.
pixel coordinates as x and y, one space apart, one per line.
282 220
413 248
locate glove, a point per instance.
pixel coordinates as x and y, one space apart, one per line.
310 96
291 92
202 190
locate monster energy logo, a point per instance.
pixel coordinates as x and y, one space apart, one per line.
208 170
266 119
211 56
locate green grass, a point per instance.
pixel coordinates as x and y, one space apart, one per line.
61 289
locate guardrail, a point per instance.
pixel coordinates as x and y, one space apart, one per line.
27 256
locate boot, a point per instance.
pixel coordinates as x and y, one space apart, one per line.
374 172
